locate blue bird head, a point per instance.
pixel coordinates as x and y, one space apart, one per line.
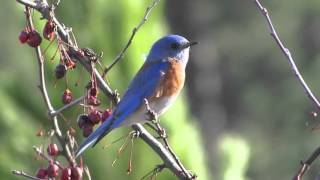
173 46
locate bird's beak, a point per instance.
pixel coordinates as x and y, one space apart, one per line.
188 44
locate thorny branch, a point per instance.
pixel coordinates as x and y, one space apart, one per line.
304 165
134 31
169 158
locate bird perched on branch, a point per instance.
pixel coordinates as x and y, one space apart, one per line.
159 81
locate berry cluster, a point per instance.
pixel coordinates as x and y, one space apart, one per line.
86 122
33 38
53 170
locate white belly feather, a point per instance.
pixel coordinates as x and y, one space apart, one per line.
159 106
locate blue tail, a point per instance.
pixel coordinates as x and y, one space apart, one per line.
96 136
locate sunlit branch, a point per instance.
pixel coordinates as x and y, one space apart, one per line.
134 31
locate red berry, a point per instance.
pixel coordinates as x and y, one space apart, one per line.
76 173
34 39
95 116
53 170
82 120
60 71
24 36
93 92
67 96
53 150
93 101
66 174
87 129
106 114
41 173
48 31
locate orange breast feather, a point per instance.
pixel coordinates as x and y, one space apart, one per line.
172 81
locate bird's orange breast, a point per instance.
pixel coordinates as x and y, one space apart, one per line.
172 81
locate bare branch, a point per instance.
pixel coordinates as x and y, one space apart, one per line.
134 31
304 165
44 92
287 53
162 134
67 106
23 174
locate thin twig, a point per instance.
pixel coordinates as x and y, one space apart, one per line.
134 31
154 172
287 53
161 131
23 174
306 164
67 106
40 153
44 92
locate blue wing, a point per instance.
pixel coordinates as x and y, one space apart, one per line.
142 86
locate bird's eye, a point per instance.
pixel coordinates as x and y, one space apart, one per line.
174 46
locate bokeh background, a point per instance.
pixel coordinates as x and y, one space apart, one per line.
242 115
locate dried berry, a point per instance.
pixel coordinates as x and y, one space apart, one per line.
67 96
95 116
52 170
24 36
87 129
60 71
34 39
53 149
93 101
66 174
93 92
106 114
48 31
76 173
82 120
41 173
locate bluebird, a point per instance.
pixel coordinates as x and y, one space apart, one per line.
159 81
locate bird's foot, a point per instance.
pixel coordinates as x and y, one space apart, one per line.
151 114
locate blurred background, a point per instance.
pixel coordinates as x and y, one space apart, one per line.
242 115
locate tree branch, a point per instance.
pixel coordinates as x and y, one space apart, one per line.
44 92
287 53
46 12
67 106
304 165
134 31
23 174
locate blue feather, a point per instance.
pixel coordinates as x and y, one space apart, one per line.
142 86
